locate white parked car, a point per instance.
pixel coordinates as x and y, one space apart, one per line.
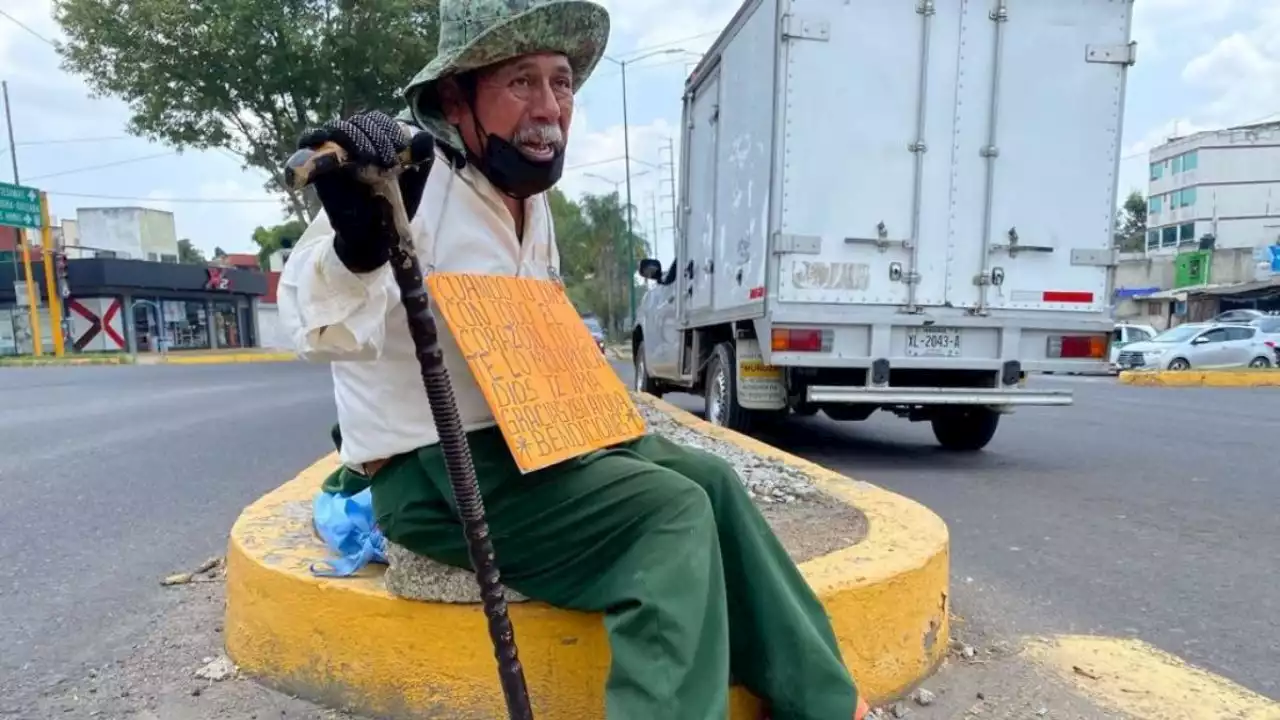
1201 346
1127 334
1269 326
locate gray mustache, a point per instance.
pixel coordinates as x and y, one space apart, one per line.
548 134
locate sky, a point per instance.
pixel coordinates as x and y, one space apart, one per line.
1200 65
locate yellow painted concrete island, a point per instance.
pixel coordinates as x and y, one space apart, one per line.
1202 378
348 643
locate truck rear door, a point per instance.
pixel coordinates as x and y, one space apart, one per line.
958 154
1036 181
851 211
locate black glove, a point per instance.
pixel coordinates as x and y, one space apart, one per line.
361 220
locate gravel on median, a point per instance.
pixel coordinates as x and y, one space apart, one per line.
808 521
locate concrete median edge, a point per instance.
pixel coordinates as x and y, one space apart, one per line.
1201 378
348 643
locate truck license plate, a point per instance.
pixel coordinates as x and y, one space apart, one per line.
933 342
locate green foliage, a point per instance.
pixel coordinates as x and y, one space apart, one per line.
592 237
248 76
189 254
276 237
1131 224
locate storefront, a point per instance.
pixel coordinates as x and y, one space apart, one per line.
118 305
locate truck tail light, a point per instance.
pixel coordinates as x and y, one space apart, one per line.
801 340
1078 346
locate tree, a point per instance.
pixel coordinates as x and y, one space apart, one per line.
592 237
218 252
189 254
1131 224
246 76
276 237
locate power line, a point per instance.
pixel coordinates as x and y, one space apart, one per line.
648 66
211 201
594 163
64 141
670 43
34 34
33 143
88 168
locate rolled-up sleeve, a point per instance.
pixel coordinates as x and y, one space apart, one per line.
330 313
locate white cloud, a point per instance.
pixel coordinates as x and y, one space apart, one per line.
1159 26
595 164
648 24
234 202
1241 71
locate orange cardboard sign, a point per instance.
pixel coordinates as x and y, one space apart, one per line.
552 391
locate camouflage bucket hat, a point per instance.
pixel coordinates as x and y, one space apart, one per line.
478 33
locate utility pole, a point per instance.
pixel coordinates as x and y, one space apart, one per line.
653 215
631 236
626 151
33 297
8 120
667 186
13 258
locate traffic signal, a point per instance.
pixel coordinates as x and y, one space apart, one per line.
60 267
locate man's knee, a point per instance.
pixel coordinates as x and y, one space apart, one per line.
711 472
676 495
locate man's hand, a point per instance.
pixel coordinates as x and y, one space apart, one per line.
362 220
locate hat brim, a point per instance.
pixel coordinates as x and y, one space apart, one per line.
578 29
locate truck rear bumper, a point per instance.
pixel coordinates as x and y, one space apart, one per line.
835 394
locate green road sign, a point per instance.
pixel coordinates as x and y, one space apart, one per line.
19 206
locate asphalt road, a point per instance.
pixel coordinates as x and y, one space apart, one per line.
1144 512
1137 511
112 478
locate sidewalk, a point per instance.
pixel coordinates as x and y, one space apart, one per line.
213 357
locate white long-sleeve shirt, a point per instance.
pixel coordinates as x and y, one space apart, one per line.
356 321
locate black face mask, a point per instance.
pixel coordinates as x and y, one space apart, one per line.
515 174
511 171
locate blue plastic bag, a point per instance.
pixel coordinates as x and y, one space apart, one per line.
347 527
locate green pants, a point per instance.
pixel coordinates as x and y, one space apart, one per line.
662 539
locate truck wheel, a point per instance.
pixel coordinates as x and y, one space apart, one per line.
965 430
643 382
721 391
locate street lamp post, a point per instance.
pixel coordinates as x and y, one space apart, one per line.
615 183
613 243
626 151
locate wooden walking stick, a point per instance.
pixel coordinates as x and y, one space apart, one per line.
301 170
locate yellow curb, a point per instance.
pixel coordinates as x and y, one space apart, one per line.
66 361
1134 678
348 643
1202 378
888 595
228 358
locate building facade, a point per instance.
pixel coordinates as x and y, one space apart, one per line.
130 233
1223 184
1213 229
116 305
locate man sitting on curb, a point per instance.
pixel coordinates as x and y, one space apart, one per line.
662 539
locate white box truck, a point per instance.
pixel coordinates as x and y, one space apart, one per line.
904 205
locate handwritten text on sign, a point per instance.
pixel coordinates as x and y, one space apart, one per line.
549 386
